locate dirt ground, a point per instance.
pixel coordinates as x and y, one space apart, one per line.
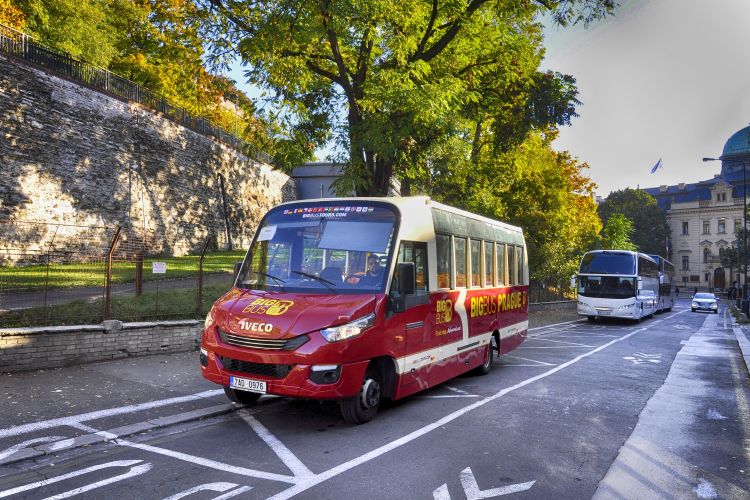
541 318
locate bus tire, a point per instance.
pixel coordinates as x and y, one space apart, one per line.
242 397
362 408
591 319
489 359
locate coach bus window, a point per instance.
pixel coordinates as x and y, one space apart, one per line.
443 247
412 251
489 259
512 280
460 259
500 259
476 262
519 265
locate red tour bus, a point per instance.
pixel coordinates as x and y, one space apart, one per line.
360 299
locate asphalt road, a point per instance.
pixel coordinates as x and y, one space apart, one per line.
657 409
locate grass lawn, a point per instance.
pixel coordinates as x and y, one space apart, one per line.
17 278
172 304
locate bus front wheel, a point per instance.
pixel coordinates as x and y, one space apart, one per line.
591 319
362 408
489 358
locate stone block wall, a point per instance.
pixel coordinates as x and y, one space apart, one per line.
72 155
23 349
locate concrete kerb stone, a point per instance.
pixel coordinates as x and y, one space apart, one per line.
740 333
113 435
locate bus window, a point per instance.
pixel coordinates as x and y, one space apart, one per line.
489 259
476 262
519 266
512 265
459 248
412 251
502 278
443 247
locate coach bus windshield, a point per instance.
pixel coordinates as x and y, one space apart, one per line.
608 263
607 287
325 248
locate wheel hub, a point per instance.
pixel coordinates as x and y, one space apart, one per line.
370 393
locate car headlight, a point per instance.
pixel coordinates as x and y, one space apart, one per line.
349 330
714 305
209 320
695 304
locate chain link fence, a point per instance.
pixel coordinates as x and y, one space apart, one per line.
104 273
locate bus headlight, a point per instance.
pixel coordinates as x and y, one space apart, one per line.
209 320
349 330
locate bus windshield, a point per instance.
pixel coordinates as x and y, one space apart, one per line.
608 263
324 248
607 287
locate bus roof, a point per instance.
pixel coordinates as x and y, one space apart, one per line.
416 227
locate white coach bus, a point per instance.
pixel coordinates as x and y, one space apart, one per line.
618 284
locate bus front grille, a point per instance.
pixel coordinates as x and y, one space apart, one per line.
273 371
260 343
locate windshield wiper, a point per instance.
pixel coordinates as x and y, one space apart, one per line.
275 279
328 283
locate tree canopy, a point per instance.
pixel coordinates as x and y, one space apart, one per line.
616 234
403 72
650 228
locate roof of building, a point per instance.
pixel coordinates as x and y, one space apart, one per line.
738 144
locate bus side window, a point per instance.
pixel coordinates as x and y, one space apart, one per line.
443 247
512 265
500 257
519 265
459 248
476 263
416 252
489 270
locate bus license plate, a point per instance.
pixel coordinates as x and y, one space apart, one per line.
604 313
246 384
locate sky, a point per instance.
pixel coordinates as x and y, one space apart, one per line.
665 79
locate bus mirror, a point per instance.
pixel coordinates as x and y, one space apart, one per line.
573 282
407 279
236 272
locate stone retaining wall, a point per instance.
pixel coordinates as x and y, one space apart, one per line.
552 306
51 347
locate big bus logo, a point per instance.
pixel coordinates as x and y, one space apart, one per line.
443 311
271 307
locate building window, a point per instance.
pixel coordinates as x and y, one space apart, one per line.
706 255
685 228
722 226
737 225
685 263
723 196
705 277
718 197
706 227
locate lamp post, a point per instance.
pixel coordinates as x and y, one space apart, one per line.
745 308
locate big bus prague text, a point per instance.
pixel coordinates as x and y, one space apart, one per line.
361 299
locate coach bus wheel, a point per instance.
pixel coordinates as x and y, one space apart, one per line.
242 397
591 318
489 357
363 407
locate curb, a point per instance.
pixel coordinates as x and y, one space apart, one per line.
744 343
118 432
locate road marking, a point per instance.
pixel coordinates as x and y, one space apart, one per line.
471 488
134 471
640 358
217 487
564 342
408 438
705 490
83 417
233 493
541 363
448 396
294 464
556 324
17 447
455 389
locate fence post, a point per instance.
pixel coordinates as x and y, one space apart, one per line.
138 274
199 297
108 276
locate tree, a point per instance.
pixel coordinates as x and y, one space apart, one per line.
401 70
650 228
616 233
11 15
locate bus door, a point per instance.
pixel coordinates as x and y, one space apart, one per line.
414 323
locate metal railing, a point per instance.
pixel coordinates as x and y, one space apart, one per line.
22 46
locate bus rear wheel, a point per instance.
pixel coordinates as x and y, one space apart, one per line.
362 408
241 397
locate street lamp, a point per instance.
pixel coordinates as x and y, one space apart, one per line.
744 306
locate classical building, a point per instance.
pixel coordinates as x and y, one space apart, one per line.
704 217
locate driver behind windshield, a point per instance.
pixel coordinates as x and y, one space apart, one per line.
374 273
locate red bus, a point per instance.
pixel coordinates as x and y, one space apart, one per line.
360 299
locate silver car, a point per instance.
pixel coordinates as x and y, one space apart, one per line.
705 302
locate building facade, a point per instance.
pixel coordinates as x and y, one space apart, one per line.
705 216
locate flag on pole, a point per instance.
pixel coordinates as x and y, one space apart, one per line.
656 167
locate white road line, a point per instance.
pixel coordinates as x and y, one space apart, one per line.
524 346
134 471
234 493
557 324
83 417
300 470
564 342
346 466
205 462
455 389
527 359
17 447
217 487
57 479
449 396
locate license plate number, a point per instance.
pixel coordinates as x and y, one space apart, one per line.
603 313
246 384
